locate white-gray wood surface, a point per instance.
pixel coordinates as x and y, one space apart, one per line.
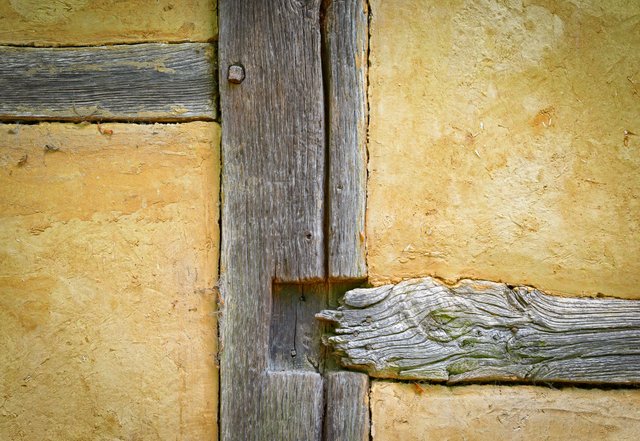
478 330
141 82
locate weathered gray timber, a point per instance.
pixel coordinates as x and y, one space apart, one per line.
479 330
345 53
347 408
273 173
291 407
143 82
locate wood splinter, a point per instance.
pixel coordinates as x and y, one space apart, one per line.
485 331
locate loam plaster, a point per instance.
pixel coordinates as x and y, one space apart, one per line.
92 22
108 265
420 412
504 143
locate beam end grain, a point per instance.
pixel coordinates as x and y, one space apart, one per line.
142 82
477 330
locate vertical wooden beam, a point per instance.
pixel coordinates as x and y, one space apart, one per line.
273 148
345 51
347 410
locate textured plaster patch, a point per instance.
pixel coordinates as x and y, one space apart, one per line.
418 412
47 12
500 145
87 22
108 265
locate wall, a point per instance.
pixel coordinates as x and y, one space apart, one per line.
109 258
108 250
92 22
503 145
416 412
497 143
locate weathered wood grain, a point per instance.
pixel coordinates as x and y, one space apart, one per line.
160 82
347 407
345 53
273 149
292 407
479 330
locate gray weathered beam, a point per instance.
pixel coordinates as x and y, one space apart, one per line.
291 407
142 82
479 330
273 173
345 53
347 407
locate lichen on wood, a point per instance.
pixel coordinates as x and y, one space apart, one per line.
481 330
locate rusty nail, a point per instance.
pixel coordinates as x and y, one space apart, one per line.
236 74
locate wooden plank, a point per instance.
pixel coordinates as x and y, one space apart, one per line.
94 22
479 330
273 191
291 408
347 407
345 51
160 82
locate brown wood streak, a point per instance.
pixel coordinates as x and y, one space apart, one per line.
159 82
273 149
345 50
479 330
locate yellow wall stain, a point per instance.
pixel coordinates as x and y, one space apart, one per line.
90 22
51 11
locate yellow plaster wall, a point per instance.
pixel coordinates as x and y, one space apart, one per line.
86 22
504 143
418 412
108 265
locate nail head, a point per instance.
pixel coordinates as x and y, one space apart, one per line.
235 74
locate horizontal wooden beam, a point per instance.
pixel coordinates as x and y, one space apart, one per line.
159 82
486 331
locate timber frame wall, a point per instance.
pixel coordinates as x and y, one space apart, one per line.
294 176
292 81
292 94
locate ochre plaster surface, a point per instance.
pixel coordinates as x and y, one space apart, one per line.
86 22
415 412
108 265
504 143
